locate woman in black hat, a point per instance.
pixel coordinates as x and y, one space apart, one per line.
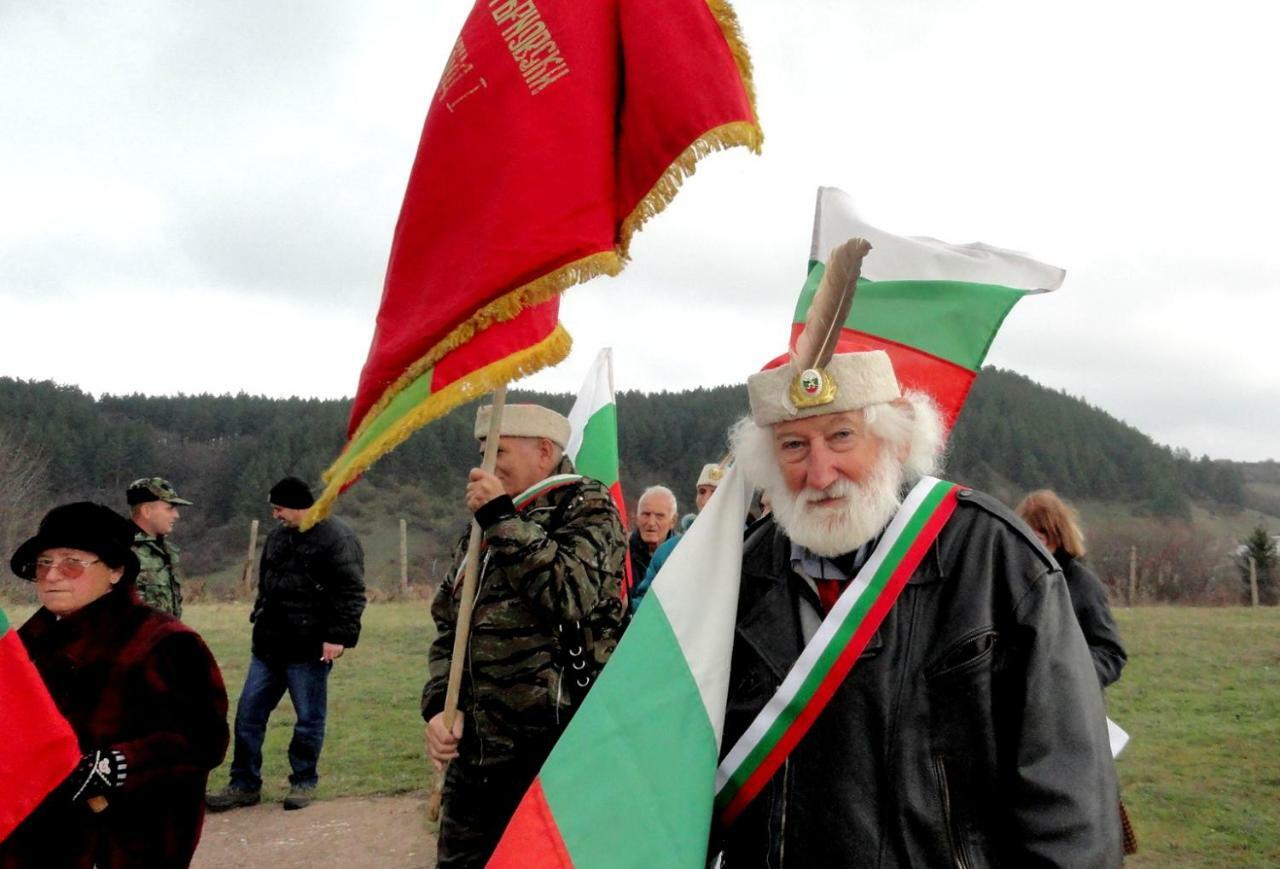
141 691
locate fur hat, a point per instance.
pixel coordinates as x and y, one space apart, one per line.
711 475
81 525
526 421
850 381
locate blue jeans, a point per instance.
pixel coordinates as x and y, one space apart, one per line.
264 685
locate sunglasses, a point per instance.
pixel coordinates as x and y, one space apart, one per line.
71 568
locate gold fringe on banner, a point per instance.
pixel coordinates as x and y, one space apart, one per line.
720 138
668 184
547 352
503 308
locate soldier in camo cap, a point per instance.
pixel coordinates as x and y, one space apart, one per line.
548 613
154 505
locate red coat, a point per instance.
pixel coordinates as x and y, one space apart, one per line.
129 678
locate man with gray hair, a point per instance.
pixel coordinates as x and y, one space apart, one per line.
708 481
656 515
548 612
908 685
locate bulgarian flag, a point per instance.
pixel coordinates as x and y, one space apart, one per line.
558 128
632 780
593 444
933 307
39 748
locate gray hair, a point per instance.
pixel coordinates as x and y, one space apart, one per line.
660 490
912 424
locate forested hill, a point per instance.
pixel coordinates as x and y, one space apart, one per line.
224 452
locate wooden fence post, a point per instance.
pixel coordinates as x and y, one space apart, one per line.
1253 580
247 577
1133 574
404 558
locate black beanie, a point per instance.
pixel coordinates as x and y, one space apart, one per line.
291 493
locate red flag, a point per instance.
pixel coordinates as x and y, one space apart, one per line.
558 128
39 748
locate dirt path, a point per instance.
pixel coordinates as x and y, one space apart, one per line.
388 832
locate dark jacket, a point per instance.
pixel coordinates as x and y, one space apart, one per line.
640 554
310 592
1089 600
969 733
139 681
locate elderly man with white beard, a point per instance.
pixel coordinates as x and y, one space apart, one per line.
960 723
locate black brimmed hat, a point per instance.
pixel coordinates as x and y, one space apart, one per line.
82 525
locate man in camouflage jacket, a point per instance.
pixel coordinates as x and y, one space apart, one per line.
550 584
154 505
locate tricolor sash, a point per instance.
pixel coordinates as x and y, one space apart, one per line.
830 654
555 481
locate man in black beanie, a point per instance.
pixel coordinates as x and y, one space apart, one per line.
310 597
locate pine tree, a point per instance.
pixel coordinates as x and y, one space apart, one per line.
1260 547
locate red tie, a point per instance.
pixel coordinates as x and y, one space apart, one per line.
829 592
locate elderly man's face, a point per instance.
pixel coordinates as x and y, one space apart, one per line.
521 462
705 491
816 452
657 516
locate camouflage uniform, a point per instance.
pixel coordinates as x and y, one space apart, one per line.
558 561
159 580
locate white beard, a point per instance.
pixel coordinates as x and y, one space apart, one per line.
830 531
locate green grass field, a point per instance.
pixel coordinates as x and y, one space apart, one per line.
1200 698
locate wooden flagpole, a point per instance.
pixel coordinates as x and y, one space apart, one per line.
470 575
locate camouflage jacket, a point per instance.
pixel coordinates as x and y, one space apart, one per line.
558 560
159 580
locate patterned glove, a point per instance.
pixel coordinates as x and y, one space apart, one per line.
97 773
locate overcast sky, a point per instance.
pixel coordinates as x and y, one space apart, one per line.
217 183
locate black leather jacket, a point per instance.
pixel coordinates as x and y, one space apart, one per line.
310 592
970 733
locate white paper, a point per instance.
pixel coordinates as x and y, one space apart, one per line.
1119 739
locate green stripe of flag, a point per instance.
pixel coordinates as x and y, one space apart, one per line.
399 407
645 731
953 320
598 456
4 623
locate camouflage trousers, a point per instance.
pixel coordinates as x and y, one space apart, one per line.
478 803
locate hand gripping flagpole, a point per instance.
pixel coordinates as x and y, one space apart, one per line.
470 575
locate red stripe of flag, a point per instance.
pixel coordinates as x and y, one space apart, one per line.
39 748
532 837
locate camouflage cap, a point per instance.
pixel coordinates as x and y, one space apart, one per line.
153 489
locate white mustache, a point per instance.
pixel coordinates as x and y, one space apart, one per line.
841 488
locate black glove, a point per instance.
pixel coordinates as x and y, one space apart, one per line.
98 773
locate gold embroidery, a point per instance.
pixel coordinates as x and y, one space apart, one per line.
530 42
455 75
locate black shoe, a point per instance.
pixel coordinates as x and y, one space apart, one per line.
299 797
231 798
